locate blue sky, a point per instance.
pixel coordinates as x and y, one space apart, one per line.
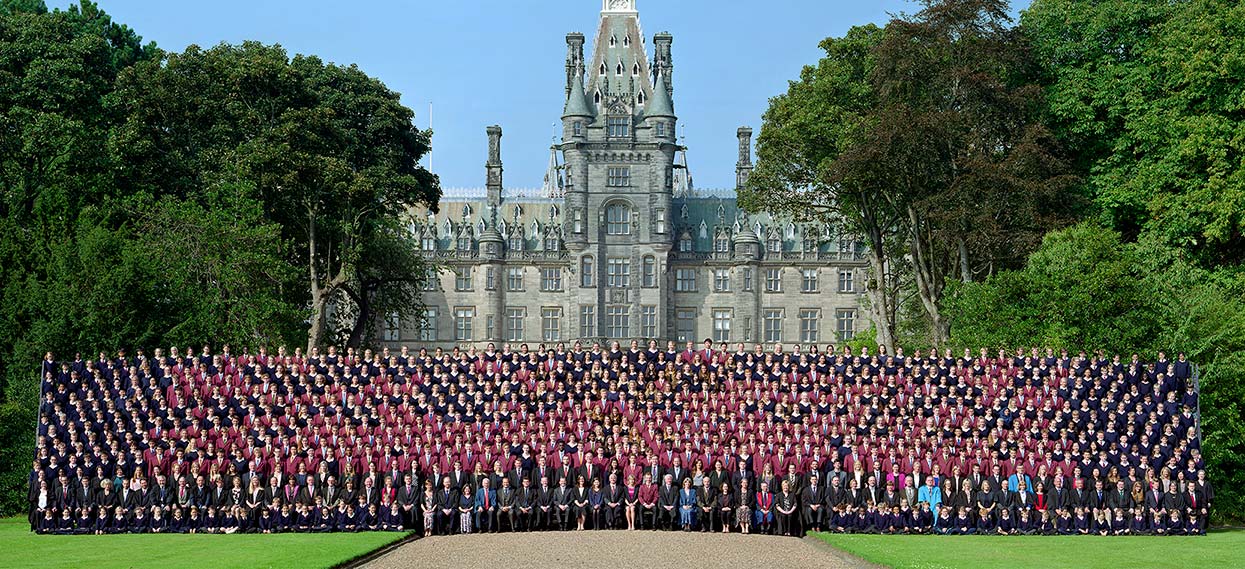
483 62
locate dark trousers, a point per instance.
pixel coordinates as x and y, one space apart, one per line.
648 517
484 520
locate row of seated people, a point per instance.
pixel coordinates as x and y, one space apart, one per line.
651 506
276 421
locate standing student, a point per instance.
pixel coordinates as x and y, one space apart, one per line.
743 508
429 506
579 503
596 504
687 505
785 506
725 506
466 506
631 501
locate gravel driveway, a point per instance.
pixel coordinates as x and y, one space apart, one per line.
613 549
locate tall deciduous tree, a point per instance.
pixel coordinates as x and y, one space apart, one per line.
929 130
805 166
959 147
330 152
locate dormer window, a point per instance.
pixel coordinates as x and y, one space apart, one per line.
618 70
635 70
641 97
602 68
613 41
627 40
596 98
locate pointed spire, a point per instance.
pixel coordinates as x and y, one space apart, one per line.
577 102
553 187
660 105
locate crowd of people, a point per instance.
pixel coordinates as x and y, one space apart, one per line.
770 440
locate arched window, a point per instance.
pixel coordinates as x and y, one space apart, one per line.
587 274
618 219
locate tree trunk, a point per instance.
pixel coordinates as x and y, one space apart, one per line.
319 316
315 335
928 284
966 268
363 318
881 305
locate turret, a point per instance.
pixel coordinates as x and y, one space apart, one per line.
493 166
662 61
743 168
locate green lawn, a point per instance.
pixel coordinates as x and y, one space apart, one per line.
1220 548
20 548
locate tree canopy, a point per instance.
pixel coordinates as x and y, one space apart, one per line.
223 195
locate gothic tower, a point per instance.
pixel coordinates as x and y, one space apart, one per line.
618 147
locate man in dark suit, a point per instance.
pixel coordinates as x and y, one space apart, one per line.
545 512
565 473
1098 499
332 494
590 471
1120 498
506 509
459 477
1154 498
562 504
668 502
543 471
743 472
524 505
407 496
677 472
812 501
835 493
654 468
447 504
1058 498
159 496
612 501
370 493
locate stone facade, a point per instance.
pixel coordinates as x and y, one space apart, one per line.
617 244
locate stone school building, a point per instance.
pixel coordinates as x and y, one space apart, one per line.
617 244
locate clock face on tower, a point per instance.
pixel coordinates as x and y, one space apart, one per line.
620 5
